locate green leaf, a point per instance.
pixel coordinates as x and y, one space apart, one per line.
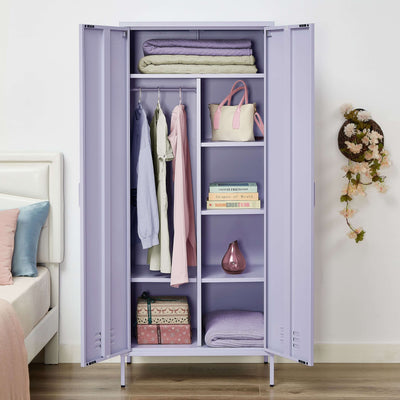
345 197
358 177
360 236
349 175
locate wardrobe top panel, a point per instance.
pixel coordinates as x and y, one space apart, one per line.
197 25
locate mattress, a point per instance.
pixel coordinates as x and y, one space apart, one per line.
30 298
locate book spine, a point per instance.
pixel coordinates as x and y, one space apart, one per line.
233 204
233 189
241 184
232 196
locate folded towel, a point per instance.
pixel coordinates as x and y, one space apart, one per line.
234 328
184 64
198 47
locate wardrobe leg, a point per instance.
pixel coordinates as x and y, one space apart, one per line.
266 360
129 359
122 371
271 371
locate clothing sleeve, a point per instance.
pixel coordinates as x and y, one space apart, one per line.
147 207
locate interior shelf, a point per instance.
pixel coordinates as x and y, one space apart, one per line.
192 349
194 76
142 273
259 142
215 274
224 211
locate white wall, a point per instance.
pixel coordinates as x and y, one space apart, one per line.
357 294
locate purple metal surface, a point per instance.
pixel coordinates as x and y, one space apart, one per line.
104 192
219 230
290 185
285 229
233 296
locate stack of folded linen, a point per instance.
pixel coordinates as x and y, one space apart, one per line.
182 56
234 328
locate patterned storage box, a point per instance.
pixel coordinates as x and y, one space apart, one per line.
164 334
166 310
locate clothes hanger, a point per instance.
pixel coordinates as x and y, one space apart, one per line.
180 96
158 101
140 96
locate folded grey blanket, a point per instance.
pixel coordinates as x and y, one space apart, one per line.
234 328
197 47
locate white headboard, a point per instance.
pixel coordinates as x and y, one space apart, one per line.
27 178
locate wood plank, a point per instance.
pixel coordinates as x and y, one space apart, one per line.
226 381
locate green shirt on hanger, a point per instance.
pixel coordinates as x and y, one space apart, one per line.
159 256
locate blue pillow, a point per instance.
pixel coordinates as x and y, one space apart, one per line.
29 225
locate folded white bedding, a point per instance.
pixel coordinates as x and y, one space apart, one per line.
30 298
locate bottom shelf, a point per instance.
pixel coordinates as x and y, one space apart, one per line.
149 350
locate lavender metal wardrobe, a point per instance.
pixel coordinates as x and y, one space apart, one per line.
277 240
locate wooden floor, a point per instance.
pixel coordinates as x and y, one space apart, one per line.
214 381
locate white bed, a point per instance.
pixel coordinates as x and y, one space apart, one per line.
27 178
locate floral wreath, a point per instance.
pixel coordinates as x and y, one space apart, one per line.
361 141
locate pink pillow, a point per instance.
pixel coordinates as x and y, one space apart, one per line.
8 226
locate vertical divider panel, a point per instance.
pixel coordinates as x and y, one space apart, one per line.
198 213
265 258
106 198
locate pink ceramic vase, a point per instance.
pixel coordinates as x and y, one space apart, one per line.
233 261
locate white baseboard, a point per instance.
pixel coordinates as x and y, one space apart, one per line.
323 353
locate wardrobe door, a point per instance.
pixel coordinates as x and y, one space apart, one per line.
290 204
104 69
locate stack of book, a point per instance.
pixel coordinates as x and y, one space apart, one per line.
233 195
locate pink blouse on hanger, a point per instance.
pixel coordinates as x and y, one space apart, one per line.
184 247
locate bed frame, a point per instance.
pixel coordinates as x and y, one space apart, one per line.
27 178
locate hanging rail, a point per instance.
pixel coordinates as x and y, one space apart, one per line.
163 89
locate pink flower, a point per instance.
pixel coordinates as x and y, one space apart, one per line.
385 163
354 148
363 115
350 130
365 140
368 155
348 213
345 168
375 151
374 137
382 188
346 108
352 235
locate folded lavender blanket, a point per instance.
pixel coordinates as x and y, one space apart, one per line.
198 47
234 328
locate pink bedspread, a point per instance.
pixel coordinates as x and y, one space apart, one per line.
14 375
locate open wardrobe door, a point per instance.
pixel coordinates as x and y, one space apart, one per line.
290 154
104 69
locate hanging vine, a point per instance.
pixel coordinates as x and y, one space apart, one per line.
361 140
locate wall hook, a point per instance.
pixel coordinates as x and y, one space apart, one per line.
180 96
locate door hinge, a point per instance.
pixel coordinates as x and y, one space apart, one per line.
124 34
90 363
303 362
304 25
